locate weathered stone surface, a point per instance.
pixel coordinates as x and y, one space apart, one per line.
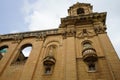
68 53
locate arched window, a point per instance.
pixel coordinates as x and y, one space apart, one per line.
89 55
3 50
91 67
80 11
23 54
87 45
26 50
47 69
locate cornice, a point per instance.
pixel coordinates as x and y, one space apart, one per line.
37 34
83 19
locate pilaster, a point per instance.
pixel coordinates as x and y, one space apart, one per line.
70 69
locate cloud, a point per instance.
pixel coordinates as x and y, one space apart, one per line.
41 21
43 14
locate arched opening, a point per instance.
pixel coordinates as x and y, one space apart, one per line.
47 69
91 66
23 54
89 55
49 60
80 11
26 51
3 50
87 45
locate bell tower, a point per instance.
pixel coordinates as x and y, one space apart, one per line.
93 50
79 9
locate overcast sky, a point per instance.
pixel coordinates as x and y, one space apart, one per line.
29 15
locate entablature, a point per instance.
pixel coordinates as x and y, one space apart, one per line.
37 34
83 19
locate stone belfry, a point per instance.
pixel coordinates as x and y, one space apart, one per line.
78 50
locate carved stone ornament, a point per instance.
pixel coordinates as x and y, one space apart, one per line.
40 36
99 29
84 33
69 33
17 37
49 60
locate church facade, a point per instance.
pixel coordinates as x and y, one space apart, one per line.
79 49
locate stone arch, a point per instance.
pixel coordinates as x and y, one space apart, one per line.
25 46
80 11
86 44
85 41
21 57
51 41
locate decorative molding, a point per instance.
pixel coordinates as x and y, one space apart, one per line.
83 19
84 33
40 35
56 40
99 29
69 33
17 38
